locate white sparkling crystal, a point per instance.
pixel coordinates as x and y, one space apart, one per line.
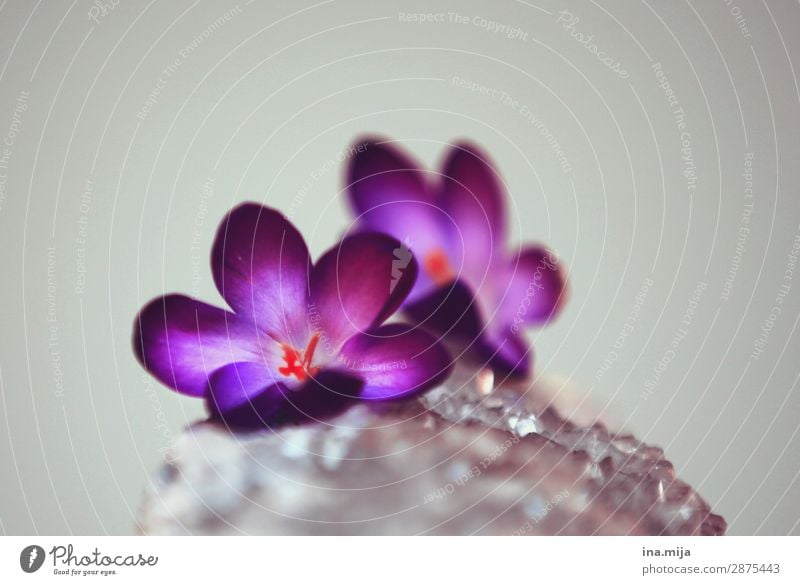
458 461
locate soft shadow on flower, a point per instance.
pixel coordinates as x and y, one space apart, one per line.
303 341
472 288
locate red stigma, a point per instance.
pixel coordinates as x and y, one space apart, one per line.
298 362
437 266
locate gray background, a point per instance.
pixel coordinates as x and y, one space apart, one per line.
101 209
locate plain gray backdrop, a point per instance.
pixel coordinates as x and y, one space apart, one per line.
654 145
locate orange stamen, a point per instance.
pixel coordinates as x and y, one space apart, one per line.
437 266
298 362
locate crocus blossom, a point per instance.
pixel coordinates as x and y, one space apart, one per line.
301 341
472 287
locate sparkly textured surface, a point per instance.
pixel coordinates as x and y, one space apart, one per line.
462 460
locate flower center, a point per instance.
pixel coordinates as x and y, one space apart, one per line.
298 361
437 266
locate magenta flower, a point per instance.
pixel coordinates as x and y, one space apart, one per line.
302 341
471 288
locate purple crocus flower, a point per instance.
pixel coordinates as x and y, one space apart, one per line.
302 341
471 287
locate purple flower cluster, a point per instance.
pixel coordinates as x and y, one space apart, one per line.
303 340
472 290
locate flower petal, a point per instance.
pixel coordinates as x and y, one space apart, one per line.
508 355
380 173
473 196
244 392
453 313
328 393
244 395
450 311
357 285
396 361
261 263
182 341
389 193
535 291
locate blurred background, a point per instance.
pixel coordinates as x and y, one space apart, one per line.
653 145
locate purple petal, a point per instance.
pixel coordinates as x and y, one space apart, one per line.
356 285
181 341
327 394
473 196
396 361
536 288
380 173
389 194
454 314
508 355
450 311
261 263
244 395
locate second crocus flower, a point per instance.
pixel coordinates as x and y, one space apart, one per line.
472 288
